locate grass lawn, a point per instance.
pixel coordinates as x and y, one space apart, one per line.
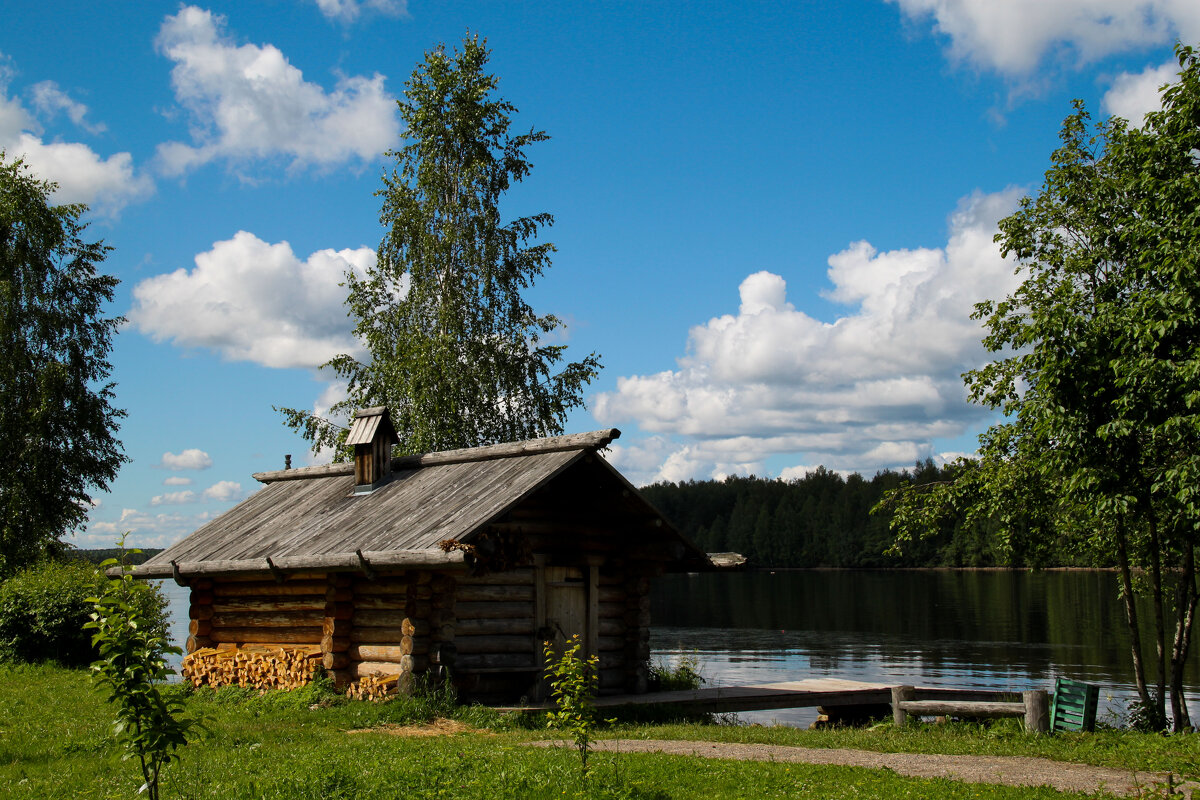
56 742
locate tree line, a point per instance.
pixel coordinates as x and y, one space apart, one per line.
825 519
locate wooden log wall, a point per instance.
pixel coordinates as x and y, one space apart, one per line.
392 624
336 624
200 614
497 654
404 622
498 647
233 611
623 643
399 619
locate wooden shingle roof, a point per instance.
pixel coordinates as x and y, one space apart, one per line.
310 518
366 424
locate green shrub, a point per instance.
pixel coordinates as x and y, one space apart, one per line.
573 680
684 675
43 610
132 668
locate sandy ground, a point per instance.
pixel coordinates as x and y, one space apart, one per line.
439 727
1010 770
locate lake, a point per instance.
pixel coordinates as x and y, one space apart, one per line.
960 628
954 628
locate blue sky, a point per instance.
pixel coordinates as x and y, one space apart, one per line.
772 219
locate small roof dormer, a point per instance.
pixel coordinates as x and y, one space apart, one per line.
372 435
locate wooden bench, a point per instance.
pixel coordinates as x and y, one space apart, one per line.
1074 706
1034 707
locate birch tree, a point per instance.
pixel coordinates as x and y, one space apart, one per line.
452 347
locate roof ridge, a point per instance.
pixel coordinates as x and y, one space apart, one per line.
592 440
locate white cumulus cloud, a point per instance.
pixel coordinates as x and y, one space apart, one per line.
224 491
254 301
248 102
160 529
50 100
177 480
1133 95
82 174
347 11
174 498
192 458
869 390
1014 37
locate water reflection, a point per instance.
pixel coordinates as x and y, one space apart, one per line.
995 630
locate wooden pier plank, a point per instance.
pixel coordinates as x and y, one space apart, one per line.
787 694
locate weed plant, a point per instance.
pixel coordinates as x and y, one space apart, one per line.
573 680
684 675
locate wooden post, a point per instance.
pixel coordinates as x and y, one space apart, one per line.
592 645
443 622
1037 711
541 688
336 626
899 695
636 619
200 614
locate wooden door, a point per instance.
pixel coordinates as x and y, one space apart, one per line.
566 605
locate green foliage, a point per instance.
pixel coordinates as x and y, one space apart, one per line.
1097 364
131 668
455 352
57 425
573 680
684 675
43 610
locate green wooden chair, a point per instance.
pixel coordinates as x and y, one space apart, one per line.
1074 706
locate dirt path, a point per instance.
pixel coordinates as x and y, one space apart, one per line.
1010 770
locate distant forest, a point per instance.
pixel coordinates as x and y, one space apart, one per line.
821 520
98 556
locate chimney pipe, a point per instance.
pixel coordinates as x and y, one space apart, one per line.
372 436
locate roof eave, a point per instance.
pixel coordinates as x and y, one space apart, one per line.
357 561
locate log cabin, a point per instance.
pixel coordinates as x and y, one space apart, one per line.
460 562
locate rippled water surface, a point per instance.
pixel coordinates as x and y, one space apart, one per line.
993 630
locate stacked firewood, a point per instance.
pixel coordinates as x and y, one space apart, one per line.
374 687
260 666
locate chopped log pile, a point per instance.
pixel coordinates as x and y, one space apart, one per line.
376 687
261 666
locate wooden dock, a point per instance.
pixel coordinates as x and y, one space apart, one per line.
825 692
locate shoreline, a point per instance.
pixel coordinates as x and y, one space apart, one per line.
927 569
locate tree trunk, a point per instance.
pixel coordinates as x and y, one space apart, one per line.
1156 594
1131 619
1185 607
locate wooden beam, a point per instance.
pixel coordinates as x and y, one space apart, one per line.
323 471
950 708
592 440
278 565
